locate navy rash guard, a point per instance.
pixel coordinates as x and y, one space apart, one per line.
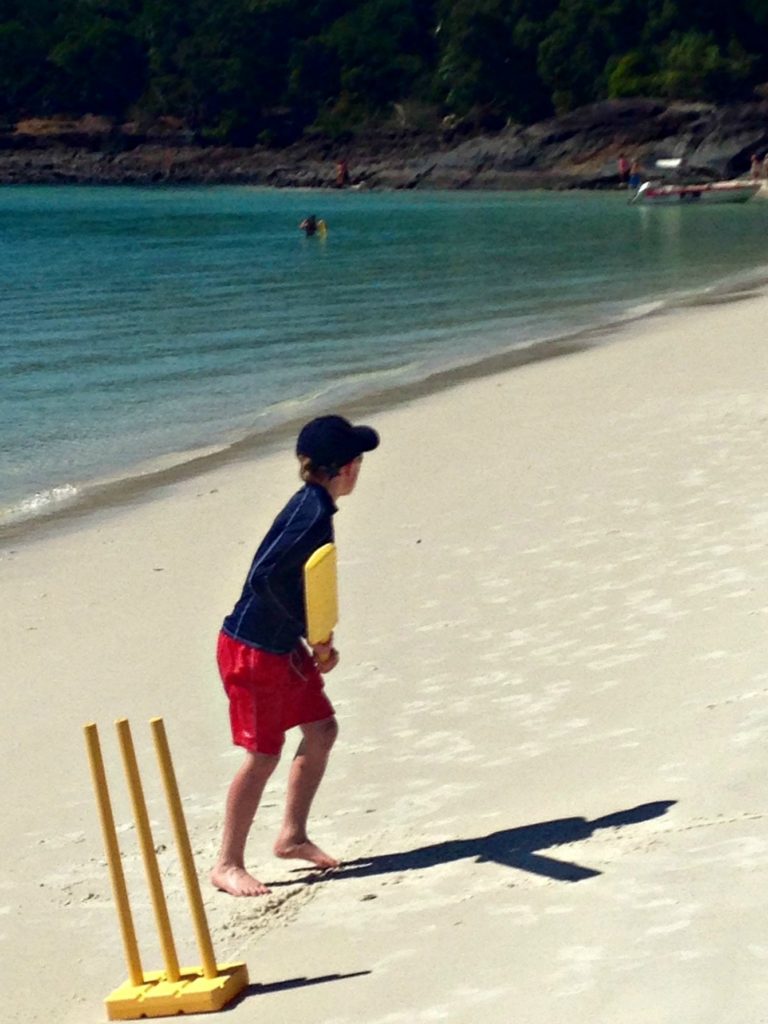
270 612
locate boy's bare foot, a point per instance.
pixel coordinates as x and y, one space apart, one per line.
237 882
305 851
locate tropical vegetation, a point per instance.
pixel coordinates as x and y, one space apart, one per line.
269 70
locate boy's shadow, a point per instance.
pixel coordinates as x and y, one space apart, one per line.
515 848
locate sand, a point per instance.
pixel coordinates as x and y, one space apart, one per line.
549 787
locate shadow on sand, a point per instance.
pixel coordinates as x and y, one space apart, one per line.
514 848
254 989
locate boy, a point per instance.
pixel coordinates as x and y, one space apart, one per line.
270 675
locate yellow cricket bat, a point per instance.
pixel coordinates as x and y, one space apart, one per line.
321 594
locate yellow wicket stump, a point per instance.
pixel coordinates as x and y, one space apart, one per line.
174 989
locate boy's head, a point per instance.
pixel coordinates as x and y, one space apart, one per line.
329 443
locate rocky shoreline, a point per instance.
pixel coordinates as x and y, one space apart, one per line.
578 150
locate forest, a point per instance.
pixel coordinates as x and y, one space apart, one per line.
268 71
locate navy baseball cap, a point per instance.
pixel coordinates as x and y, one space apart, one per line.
330 442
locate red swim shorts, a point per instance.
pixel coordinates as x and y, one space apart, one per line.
269 693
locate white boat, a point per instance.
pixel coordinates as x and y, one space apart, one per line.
711 192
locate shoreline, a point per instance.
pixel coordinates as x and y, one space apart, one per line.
139 484
576 150
552 695
96 497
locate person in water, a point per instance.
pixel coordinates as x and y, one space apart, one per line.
312 225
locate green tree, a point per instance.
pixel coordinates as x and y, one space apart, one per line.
315 78
21 52
488 51
220 67
383 49
99 67
27 32
582 37
693 66
631 74
236 68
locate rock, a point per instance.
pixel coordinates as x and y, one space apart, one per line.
577 150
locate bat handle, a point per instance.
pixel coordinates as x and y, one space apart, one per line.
324 656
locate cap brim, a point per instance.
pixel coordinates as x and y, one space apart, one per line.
366 437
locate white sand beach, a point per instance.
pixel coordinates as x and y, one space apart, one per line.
549 786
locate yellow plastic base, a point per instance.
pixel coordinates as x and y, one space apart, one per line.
192 993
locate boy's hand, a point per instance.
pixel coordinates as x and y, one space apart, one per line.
326 656
330 663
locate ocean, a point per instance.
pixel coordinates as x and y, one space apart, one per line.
142 330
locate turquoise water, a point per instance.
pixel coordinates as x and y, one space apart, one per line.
145 325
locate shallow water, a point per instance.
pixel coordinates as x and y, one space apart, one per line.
144 325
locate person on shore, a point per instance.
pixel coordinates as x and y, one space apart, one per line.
342 174
754 167
313 225
622 165
635 174
271 676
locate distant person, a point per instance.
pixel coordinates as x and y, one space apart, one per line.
623 168
755 169
635 174
270 673
313 225
342 174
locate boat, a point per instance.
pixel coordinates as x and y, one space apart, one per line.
709 192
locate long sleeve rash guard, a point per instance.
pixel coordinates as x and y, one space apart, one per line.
270 611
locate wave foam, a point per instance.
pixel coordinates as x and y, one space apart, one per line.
41 503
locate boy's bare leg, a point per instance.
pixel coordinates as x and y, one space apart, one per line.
243 799
306 773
